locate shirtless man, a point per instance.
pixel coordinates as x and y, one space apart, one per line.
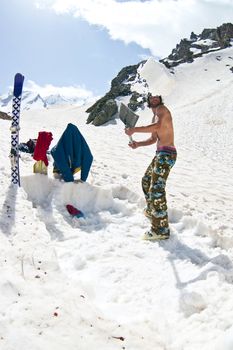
154 180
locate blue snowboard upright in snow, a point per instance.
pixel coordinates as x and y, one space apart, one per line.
14 155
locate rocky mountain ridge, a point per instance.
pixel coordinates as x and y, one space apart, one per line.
186 51
197 45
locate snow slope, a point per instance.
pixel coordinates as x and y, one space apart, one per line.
89 283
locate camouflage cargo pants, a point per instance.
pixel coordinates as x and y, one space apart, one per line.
153 185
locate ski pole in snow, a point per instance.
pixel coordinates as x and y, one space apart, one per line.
14 153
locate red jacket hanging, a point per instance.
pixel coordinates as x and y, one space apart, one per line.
42 145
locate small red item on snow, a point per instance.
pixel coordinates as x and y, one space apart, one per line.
74 211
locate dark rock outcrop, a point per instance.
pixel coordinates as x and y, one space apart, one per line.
108 111
136 101
120 86
4 116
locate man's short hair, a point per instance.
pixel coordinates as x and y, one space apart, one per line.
150 95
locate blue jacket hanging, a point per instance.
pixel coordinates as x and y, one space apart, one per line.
71 154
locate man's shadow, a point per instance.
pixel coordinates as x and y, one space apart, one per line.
180 251
191 301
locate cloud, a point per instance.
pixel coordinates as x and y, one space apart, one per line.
157 25
67 91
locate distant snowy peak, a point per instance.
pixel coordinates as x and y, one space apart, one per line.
33 100
197 45
58 99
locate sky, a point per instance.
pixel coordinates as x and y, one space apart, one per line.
84 44
94 283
